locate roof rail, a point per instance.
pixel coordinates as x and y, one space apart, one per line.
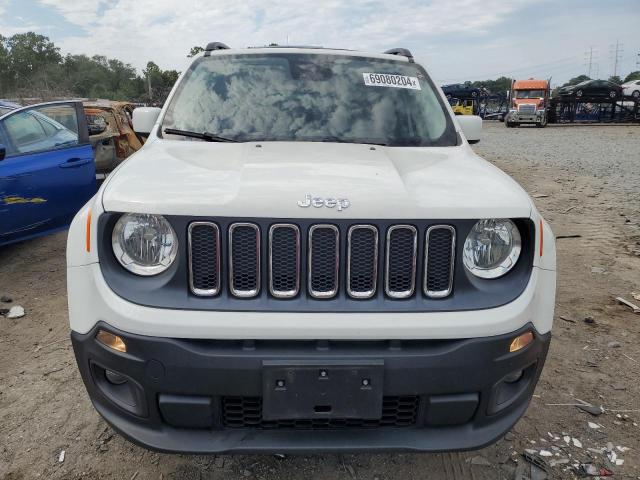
402 52
211 46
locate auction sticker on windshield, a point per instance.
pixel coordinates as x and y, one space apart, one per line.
391 80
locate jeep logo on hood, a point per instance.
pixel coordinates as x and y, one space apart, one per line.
319 202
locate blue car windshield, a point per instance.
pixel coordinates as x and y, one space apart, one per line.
309 97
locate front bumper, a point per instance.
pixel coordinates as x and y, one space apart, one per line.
204 396
522 117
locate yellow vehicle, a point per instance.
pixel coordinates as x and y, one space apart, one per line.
462 107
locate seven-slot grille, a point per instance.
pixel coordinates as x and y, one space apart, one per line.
319 262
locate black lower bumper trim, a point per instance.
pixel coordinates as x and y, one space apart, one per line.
206 396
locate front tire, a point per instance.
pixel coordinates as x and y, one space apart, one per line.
636 94
579 93
613 94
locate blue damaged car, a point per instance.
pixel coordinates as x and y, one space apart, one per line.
47 172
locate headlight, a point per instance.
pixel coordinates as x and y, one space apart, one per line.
144 244
492 248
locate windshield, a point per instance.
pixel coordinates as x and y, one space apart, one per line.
529 93
303 97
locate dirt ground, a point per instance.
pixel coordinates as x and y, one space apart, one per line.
585 181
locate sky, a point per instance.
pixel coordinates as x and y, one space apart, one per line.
455 40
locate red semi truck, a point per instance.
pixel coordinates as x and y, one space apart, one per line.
528 103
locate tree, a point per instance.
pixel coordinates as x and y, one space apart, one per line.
632 76
32 60
195 51
498 86
577 80
5 71
159 82
615 79
32 66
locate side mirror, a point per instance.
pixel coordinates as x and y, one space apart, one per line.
3 151
144 118
471 126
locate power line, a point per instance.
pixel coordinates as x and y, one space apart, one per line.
564 63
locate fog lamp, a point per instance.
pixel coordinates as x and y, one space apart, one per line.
513 377
521 341
111 340
115 378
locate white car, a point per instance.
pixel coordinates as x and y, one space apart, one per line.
307 243
631 89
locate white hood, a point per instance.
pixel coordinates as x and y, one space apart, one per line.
267 180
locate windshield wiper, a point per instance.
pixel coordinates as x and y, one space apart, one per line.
209 137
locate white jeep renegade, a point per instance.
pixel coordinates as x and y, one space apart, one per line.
305 256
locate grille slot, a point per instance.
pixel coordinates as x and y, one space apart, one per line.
440 247
362 261
244 259
284 260
324 260
400 275
204 258
246 413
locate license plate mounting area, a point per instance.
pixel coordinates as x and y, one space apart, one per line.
324 389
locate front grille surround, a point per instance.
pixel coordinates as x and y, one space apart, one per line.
428 272
527 108
171 290
244 292
390 262
313 276
210 285
273 277
352 290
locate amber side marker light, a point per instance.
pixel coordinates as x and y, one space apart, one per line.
521 341
112 341
88 233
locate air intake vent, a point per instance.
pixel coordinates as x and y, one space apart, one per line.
362 261
204 258
323 261
246 413
284 260
244 259
439 262
402 243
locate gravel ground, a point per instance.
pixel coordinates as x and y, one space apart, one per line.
586 183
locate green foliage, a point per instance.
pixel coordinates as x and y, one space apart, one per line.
32 66
195 51
577 80
498 86
616 79
632 76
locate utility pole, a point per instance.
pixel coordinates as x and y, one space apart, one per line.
589 60
617 55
